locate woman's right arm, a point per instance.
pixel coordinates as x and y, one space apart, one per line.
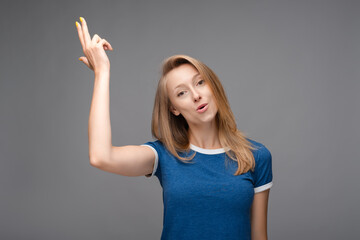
126 160
99 129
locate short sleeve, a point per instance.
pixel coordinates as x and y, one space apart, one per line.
153 147
263 177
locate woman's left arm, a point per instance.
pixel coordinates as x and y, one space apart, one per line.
259 215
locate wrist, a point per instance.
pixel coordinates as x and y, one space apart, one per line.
102 72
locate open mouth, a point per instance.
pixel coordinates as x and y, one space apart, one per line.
202 107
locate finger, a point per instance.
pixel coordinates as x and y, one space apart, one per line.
95 39
85 31
85 61
106 44
78 27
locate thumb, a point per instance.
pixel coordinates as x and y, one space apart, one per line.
85 61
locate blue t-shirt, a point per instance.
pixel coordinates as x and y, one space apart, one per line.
203 199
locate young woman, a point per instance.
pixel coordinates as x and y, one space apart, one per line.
215 181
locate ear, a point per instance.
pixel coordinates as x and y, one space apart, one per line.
174 111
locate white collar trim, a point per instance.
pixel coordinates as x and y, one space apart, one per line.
207 151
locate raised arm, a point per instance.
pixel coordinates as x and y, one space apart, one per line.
99 119
126 160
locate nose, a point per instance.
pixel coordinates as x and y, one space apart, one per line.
196 96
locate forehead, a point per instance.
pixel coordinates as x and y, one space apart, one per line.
182 74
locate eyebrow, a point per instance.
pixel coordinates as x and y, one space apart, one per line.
193 79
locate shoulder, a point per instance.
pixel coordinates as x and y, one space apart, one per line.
156 145
261 153
257 144
262 174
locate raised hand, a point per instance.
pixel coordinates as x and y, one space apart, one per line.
94 49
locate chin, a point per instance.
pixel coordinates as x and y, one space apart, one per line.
209 119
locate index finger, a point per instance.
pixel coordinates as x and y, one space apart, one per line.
78 27
87 39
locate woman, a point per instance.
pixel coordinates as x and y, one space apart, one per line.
215 181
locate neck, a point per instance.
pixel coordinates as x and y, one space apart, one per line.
205 136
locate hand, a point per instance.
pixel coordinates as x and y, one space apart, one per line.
94 49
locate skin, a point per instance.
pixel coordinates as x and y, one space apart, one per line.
193 92
202 128
259 215
94 49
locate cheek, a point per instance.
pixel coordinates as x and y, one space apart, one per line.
179 105
209 92
175 101
213 100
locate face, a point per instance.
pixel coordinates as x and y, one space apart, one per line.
187 92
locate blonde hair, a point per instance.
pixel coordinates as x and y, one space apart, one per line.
172 130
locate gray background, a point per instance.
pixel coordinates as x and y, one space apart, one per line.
291 72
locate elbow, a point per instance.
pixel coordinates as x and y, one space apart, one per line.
98 160
95 162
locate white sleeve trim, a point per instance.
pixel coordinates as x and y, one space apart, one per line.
156 161
263 187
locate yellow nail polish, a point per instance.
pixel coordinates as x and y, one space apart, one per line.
81 19
80 59
76 23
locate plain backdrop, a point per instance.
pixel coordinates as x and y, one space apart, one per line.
290 70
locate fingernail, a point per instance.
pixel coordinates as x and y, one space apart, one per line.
80 59
76 23
81 19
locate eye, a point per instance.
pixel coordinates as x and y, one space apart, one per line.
201 82
180 94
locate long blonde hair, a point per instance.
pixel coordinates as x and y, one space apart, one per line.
172 130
